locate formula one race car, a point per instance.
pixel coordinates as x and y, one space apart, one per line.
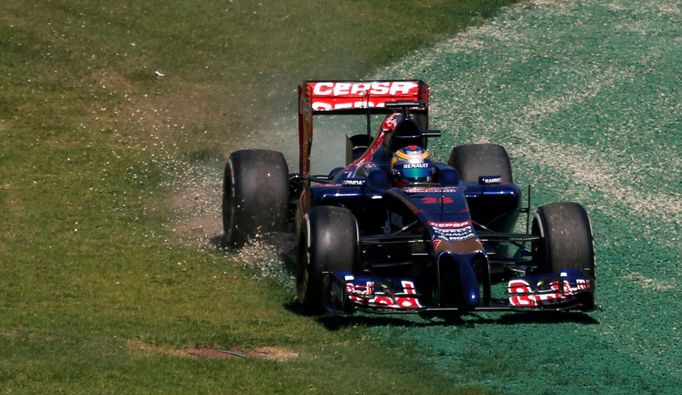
395 231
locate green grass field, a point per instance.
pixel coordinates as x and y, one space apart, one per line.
106 112
115 122
586 98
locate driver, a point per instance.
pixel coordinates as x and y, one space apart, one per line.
411 164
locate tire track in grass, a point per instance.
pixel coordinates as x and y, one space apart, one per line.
517 81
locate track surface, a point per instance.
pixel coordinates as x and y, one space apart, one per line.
586 97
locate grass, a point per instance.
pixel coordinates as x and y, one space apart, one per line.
95 293
581 112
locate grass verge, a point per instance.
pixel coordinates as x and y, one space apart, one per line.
99 101
581 94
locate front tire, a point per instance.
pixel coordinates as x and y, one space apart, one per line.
566 241
328 242
255 195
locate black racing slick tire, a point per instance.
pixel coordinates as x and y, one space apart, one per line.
565 241
328 242
255 195
475 160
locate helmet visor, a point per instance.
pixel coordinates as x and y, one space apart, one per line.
417 173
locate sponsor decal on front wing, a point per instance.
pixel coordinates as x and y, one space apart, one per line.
380 295
545 292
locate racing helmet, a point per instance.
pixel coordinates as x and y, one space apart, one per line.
412 164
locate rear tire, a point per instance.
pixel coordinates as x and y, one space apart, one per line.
328 242
497 213
566 241
255 195
475 160
356 145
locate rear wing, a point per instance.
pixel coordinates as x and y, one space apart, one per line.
351 97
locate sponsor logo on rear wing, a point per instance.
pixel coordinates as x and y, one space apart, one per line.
353 95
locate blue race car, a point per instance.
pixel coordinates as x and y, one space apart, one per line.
395 231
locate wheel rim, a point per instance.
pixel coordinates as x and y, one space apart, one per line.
228 205
303 280
304 276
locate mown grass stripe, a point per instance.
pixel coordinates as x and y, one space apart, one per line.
550 82
573 81
529 121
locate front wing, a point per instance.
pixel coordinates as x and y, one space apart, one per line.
543 292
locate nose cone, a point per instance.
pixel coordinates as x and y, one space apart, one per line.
457 282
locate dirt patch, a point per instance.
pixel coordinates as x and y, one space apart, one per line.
171 114
196 221
212 353
275 353
112 81
546 3
10 333
650 283
196 204
264 249
161 114
268 353
137 346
